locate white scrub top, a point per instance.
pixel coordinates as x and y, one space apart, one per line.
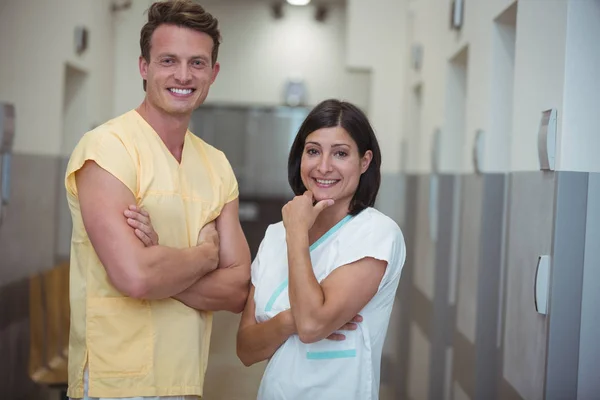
348 369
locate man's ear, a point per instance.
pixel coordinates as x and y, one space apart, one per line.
216 69
143 65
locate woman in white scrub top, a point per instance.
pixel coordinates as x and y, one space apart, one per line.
325 278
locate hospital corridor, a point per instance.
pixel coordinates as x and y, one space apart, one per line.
486 117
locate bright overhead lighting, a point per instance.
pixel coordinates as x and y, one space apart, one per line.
298 2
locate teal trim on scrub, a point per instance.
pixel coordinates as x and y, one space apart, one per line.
330 232
275 295
328 355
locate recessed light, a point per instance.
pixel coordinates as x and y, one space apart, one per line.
298 2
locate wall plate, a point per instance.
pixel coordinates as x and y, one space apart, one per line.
80 37
435 150
7 134
478 149
547 140
542 285
456 14
417 56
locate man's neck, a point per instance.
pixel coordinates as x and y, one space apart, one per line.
171 128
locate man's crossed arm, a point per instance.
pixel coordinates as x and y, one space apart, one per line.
206 277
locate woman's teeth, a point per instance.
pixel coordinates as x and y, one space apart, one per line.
325 181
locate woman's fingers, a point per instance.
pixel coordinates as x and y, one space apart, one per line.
348 327
336 337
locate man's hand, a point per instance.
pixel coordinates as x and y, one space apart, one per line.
209 234
349 326
139 220
225 288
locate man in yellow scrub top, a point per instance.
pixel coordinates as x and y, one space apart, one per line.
141 316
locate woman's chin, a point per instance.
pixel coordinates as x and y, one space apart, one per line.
322 196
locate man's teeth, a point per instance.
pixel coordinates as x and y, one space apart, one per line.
325 182
181 91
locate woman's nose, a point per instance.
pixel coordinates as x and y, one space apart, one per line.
324 165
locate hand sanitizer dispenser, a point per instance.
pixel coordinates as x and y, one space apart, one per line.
7 134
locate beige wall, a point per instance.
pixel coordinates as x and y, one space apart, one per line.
508 113
257 55
376 41
36 44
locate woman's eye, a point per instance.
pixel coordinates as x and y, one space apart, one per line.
312 152
341 154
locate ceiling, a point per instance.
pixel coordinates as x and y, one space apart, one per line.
313 2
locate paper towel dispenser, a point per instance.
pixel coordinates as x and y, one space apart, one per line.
7 134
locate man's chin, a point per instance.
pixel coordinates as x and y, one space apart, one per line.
179 110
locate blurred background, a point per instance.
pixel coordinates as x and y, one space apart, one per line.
485 113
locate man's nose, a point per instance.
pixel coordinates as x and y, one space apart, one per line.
183 74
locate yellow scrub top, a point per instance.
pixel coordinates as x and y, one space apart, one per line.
139 347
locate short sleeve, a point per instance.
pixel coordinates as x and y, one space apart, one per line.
254 270
230 181
381 241
110 153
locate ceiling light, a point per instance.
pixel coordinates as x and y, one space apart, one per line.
298 2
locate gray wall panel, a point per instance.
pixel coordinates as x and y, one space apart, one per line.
424 253
390 199
64 225
488 297
443 313
419 365
27 237
566 285
529 235
408 226
391 196
589 349
470 236
464 364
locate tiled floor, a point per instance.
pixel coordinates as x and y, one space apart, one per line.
227 378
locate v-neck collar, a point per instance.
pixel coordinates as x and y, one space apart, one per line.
162 143
330 232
